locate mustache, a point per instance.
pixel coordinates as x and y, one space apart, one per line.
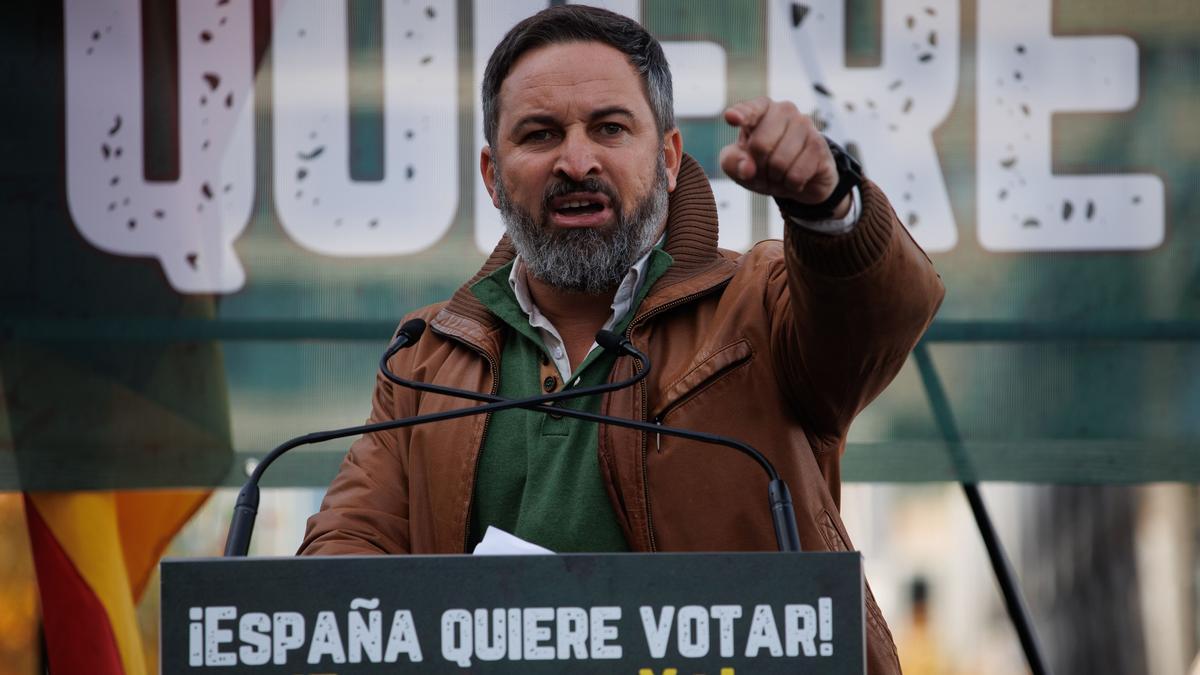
562 187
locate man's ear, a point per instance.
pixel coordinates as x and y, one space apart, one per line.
487 169
672 155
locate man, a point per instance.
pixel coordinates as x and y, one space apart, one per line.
610 225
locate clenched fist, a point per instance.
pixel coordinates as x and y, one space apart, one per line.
780 153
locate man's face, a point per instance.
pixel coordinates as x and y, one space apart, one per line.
578 169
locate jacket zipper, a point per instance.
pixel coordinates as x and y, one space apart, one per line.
487 420
658 420
646 403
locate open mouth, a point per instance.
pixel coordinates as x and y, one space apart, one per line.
579 207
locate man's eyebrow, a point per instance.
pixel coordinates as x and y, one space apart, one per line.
611 110
548 120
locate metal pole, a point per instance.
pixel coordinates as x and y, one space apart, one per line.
1013 601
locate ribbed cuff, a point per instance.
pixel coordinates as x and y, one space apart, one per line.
845 255
832 225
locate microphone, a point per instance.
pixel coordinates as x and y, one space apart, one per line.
408 334
245 509
779 498
411 331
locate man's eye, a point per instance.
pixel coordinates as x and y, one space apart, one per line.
538 136
611 129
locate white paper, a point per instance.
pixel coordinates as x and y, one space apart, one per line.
498 542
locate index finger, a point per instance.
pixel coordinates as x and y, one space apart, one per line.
747 114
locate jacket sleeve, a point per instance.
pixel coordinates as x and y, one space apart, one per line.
365 510
850 310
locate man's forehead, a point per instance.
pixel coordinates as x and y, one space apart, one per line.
588 75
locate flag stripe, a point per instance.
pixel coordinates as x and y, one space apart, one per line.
148 521
84 526
72 614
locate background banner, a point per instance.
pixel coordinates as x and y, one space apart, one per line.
216 212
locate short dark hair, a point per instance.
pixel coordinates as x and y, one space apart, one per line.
580 23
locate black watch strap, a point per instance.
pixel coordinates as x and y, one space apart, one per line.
850 176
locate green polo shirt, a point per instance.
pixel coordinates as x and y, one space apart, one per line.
538 476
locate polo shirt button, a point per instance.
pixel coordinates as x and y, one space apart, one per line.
549 383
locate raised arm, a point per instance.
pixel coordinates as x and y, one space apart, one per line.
854 292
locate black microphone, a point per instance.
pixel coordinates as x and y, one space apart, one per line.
406 335
411 331
245 509
779 498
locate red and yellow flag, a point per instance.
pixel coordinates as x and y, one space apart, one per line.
94 553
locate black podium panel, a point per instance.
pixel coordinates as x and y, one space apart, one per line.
660 614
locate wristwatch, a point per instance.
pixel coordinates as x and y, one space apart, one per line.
850 176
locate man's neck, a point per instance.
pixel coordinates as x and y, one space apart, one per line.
576 316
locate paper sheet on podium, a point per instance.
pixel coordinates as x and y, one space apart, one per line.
498 542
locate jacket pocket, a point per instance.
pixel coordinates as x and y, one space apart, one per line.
702 376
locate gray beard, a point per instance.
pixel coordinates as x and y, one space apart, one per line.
585 260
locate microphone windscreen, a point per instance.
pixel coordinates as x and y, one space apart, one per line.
610 341
412 329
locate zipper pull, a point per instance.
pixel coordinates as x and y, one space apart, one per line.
658 436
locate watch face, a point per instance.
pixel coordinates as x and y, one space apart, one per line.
846 163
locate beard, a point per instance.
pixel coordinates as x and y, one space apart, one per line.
585 260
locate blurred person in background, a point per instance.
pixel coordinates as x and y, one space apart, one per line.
920 653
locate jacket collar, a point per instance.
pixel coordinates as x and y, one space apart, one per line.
691 241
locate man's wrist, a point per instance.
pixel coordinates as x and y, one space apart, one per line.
842 210
835 206
844 220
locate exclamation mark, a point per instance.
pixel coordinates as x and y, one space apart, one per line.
825 625
195 636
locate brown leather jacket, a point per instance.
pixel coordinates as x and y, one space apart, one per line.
780 347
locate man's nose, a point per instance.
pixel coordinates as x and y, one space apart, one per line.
577 158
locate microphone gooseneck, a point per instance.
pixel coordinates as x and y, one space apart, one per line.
779 498
246 507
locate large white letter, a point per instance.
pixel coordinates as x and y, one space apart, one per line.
692 639
189 224
602 632
326 640
491 645
658 631
319 205
254 630
725 616
215 636
1025 76
888 113
287 634
402 638
763 633
456 637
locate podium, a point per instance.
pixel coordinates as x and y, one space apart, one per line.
642 614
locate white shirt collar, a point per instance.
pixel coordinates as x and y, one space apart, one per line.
622 302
